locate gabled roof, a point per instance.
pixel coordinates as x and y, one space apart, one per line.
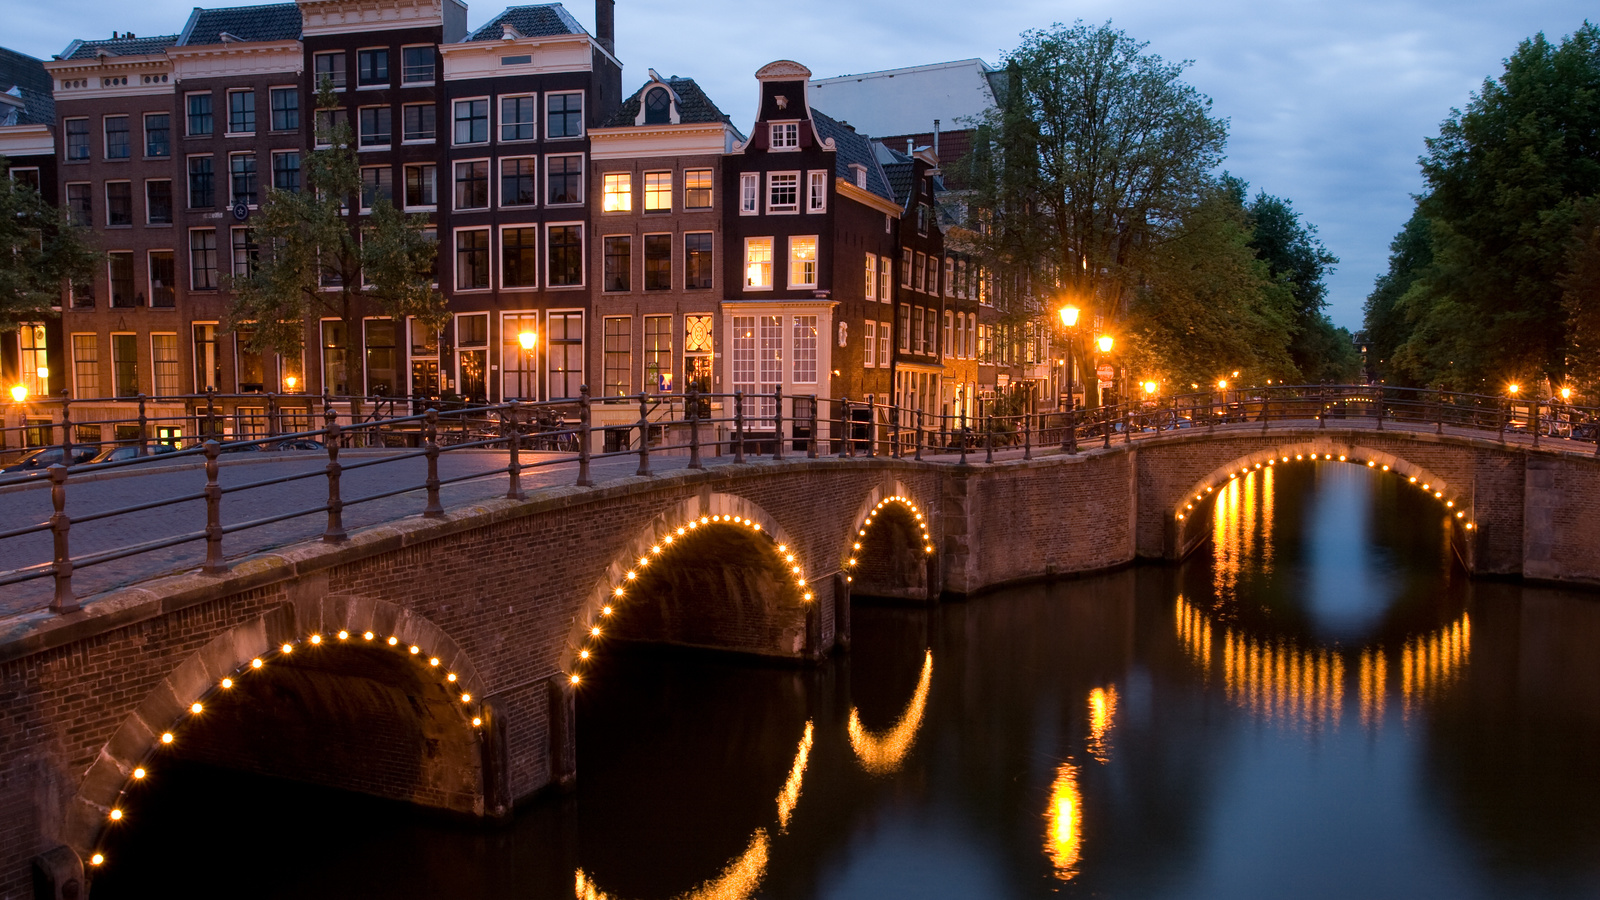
852 148
23 75
694 106
137 46
906 101
272 22
530 21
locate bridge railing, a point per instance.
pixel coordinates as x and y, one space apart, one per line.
576 434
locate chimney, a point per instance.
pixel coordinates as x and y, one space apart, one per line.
935 137
605 24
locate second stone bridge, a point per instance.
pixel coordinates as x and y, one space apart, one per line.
435 660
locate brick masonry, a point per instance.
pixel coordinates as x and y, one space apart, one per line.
504 593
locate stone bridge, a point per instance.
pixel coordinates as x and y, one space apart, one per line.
435 660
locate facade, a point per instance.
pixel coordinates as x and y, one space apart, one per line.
31 355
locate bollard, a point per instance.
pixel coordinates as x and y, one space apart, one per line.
777 428
694 428
335 532
811 443
431 422
738 426
584 403
214 564
60 524
919 435
508 417
644 434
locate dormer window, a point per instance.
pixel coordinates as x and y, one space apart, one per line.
657 107
861 175
785 135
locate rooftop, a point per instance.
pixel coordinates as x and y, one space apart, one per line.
119 46
906 101
530 21
694 106
23 76
271 22
853 148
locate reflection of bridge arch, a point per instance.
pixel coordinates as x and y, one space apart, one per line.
883 753
1288 684
227 666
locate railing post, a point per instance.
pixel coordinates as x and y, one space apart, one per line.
64 600
211 412
872 427
1380 409
335 532
1533 420
1105 417
693 398
847 444
1266 411
584 412
919 435
1027 437
777 429
1438 411
66 427
644 434
738 426
431 423
961 438
988 434
509 421
811 445
144 422
1069 442
1322 409
272 415
1505 414
214 564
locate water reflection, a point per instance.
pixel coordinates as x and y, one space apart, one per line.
1102 715
1064 822
883 753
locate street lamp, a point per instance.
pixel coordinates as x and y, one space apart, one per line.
1513 388
1069 321
19 393
1150 387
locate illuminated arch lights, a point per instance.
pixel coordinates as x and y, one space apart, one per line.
1427 487
922 526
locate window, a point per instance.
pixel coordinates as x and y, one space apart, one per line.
25 177
932 265
869 342
119 203
472 121
905 267
885 280
816 192
757 263
519 254
658 354
519 355
377 126
566 354
472 184
805 349
520 59
418 122
872 276
519 182
158 202
803 262
203 259
658 262
86 365
286 171
785 135
242 112
383 356
563 115
420 186
658 192
923 216
117 137
285 108
771 335
77 139
125 365
744 354
199 106
657 107
618 356
516 118
329 67
157 134
329 121
372 67
949 330
207 362
905 330
119 266
618 263
860 173
916 330
616 192
164 363
242 178
783 192
565 266
949 276
697 189
163 279
335 358
917 267
930 333
416 65
749 193
80 208
564 179
472 259
202 188
698 271
377 183
883 345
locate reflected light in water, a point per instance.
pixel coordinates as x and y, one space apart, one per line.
1433 662
1242 528
1102 715
790 795
1373 675
1064 823
883 753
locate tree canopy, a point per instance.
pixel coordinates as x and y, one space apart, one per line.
39 253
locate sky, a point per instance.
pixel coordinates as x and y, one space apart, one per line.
1328 103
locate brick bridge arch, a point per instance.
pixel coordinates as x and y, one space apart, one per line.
454 775
891 545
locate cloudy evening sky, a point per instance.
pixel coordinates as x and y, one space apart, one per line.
1328 102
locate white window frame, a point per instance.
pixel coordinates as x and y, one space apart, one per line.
795 263
188 250
583 176
233 246
106 194
771 243
419 142
144 136
404 205
583 352
489 116
72 351
227 97
499 120
885 333
870 338
455 256
583 126
389 167
816 191
105 136
787 129
497 190
583 255
949 332
798 348
498 262
949 276
606 179
316 81
362 147
489 193
415 84
644 193
297 110
798 190
252 154
872 276
710 177
384 86
749 193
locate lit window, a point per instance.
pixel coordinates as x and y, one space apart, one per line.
697 189
758 263
803 262
869 341
618 192
658 192
872 278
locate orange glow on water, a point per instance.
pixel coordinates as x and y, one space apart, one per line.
883 753
1064 823
1102 715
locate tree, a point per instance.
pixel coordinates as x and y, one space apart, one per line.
1580 295
317 260
1386 322
40 252
1296 257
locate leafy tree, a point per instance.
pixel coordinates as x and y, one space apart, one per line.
1386 321
1295 256
1580 295
39 253
314 255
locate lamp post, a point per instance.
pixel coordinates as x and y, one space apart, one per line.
527 340
1069 322
1104 342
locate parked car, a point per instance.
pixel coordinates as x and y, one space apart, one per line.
299 444
45 457
132 451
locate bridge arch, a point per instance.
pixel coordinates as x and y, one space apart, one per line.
891 551
231 664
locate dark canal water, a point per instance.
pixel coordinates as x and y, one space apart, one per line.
1318 705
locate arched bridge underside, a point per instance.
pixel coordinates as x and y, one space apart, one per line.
447 651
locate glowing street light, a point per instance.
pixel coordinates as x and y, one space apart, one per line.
1104 343
1566 393
526 339
1150 387
1514 388
1222 384
1069 316
19 393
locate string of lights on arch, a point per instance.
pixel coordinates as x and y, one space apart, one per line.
471 707
922 524
595 629
1426 487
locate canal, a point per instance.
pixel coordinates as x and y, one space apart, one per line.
1316 704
